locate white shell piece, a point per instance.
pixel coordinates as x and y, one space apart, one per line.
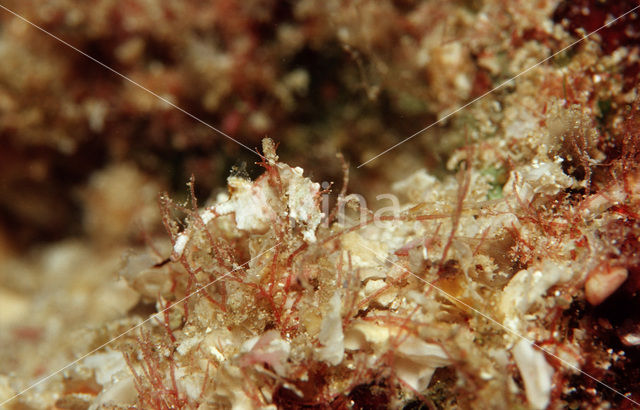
418 361
331 335
536 374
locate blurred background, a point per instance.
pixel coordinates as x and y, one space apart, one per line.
318 77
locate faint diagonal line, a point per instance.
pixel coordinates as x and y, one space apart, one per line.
497 87
154 316
489 318
166 101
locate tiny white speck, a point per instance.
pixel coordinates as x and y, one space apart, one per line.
181 242
207 216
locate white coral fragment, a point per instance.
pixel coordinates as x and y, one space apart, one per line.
526 287
112 372
536 374
254 203
179 245
268 348
418 361
251 202
361 333
302 195
538 177
106 365
331 335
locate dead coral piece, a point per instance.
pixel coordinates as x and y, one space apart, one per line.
299 305
536 373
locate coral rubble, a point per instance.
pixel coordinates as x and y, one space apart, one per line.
505 272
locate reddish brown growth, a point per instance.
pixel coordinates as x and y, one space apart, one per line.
590 15
585 16
154 389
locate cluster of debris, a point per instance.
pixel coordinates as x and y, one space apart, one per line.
505 275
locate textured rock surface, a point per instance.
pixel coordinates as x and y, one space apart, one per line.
517 217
